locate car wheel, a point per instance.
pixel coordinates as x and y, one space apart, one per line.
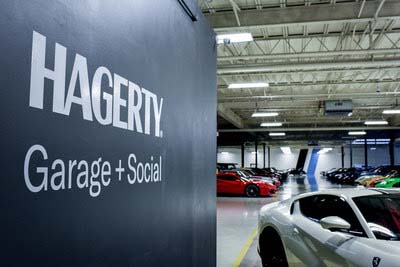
271 249
252 191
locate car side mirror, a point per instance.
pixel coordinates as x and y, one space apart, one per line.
334 222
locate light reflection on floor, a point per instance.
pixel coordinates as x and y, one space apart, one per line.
237 218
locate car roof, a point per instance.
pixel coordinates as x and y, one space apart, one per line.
352 192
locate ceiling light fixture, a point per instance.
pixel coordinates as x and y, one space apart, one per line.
224 153
277 134
391 111
324 150
264 114
286 150
271 124
357 133
377 122
234 38
247 85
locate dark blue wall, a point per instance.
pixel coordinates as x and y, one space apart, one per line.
154 44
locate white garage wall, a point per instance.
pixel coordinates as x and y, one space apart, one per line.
326 161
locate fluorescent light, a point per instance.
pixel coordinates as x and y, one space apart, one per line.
357 133
286 150
277 134
324 150
271 124
247 85
265 114
382 122
234 38
253 152
224 153
373 148
391 111
383 141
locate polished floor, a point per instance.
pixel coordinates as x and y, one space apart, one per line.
237 222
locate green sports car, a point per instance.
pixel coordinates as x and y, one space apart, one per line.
390 182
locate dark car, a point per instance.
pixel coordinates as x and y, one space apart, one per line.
381 170
226 166
347 176
296 172
330 175
281 175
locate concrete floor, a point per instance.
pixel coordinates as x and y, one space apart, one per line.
237 223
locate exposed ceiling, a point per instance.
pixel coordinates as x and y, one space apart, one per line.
308 51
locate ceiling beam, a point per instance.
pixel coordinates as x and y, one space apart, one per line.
303 15
295 67
311 71
230 116
314 97
366 52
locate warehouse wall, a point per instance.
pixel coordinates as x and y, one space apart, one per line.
332 159
103 161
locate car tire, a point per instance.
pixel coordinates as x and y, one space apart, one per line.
271 250
252 191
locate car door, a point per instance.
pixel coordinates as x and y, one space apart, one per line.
320 246
229 183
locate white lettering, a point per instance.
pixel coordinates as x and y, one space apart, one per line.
135 108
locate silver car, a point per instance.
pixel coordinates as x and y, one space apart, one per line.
344 227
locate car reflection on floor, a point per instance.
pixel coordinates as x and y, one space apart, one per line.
237 222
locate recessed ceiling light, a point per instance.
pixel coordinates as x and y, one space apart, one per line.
391 111
277 134
234 38
247 85
286 150
380 122
324 150
265 114
357 133
271 124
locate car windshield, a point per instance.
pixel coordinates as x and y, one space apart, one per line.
382 213
242 174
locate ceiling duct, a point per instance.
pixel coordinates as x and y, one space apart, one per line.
338 107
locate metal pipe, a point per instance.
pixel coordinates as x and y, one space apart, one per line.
309 66
242 154
391 150
264 155
365 52
269 156
258 74
365 152
312 84
309 129
312 96
256 155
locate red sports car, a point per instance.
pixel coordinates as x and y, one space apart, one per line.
232 183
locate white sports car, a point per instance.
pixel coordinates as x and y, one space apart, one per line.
343 227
